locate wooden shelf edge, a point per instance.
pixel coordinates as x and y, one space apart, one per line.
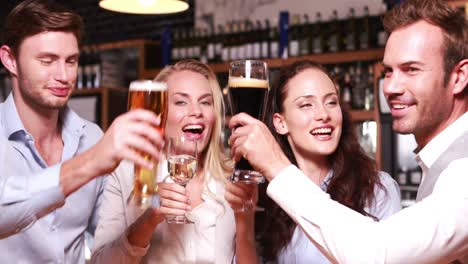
363 115
122 44
326 58
338 57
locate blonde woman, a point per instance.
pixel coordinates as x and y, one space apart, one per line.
128 234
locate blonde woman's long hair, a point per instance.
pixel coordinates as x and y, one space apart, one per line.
214 159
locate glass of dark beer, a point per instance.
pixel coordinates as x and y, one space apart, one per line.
248 92
149 95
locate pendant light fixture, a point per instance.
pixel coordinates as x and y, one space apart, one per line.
145 6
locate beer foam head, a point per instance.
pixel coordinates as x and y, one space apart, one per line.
239 82
147 85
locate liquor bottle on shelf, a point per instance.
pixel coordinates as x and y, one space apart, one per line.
293 46
249 39
211 40
234 41
382 35
266 41
318 35
337 76
351 31
358 88
96 68
335 40
203 45
369 95
219 40
304 37
257 38
175 45
346 90
80 80
365 30
283 34
241 40
87 69
189 45
226 43
197 44
274 41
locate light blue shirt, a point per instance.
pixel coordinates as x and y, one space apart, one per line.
37 223
301 250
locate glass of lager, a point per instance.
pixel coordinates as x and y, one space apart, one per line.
182 166
248 92
149 95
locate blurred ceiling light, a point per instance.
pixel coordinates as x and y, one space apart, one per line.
145 6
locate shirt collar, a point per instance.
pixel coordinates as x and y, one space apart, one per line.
11 117
71 122
326 181
432 151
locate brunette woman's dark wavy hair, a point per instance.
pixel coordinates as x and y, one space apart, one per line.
355 175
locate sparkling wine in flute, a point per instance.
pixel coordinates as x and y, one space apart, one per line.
182 168
182 165
248 92
149 95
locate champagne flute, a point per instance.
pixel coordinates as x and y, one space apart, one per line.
182 164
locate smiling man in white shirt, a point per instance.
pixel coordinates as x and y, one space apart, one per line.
426 74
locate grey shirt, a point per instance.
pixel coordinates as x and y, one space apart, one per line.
37 223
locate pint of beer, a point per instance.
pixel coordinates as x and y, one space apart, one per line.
248 92
149 95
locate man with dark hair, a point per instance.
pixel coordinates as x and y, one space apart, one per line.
50 158
426 74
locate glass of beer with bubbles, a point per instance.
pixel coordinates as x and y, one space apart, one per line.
149 95
182 166
248 91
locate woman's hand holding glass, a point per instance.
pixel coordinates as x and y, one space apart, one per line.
173 201
241 197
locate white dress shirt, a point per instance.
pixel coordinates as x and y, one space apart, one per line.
211 239
434 230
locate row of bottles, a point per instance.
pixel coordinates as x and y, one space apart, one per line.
261 39
89 69
356 84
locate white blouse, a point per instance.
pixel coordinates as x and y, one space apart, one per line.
301 250
211 239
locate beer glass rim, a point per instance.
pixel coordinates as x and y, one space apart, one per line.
148 85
